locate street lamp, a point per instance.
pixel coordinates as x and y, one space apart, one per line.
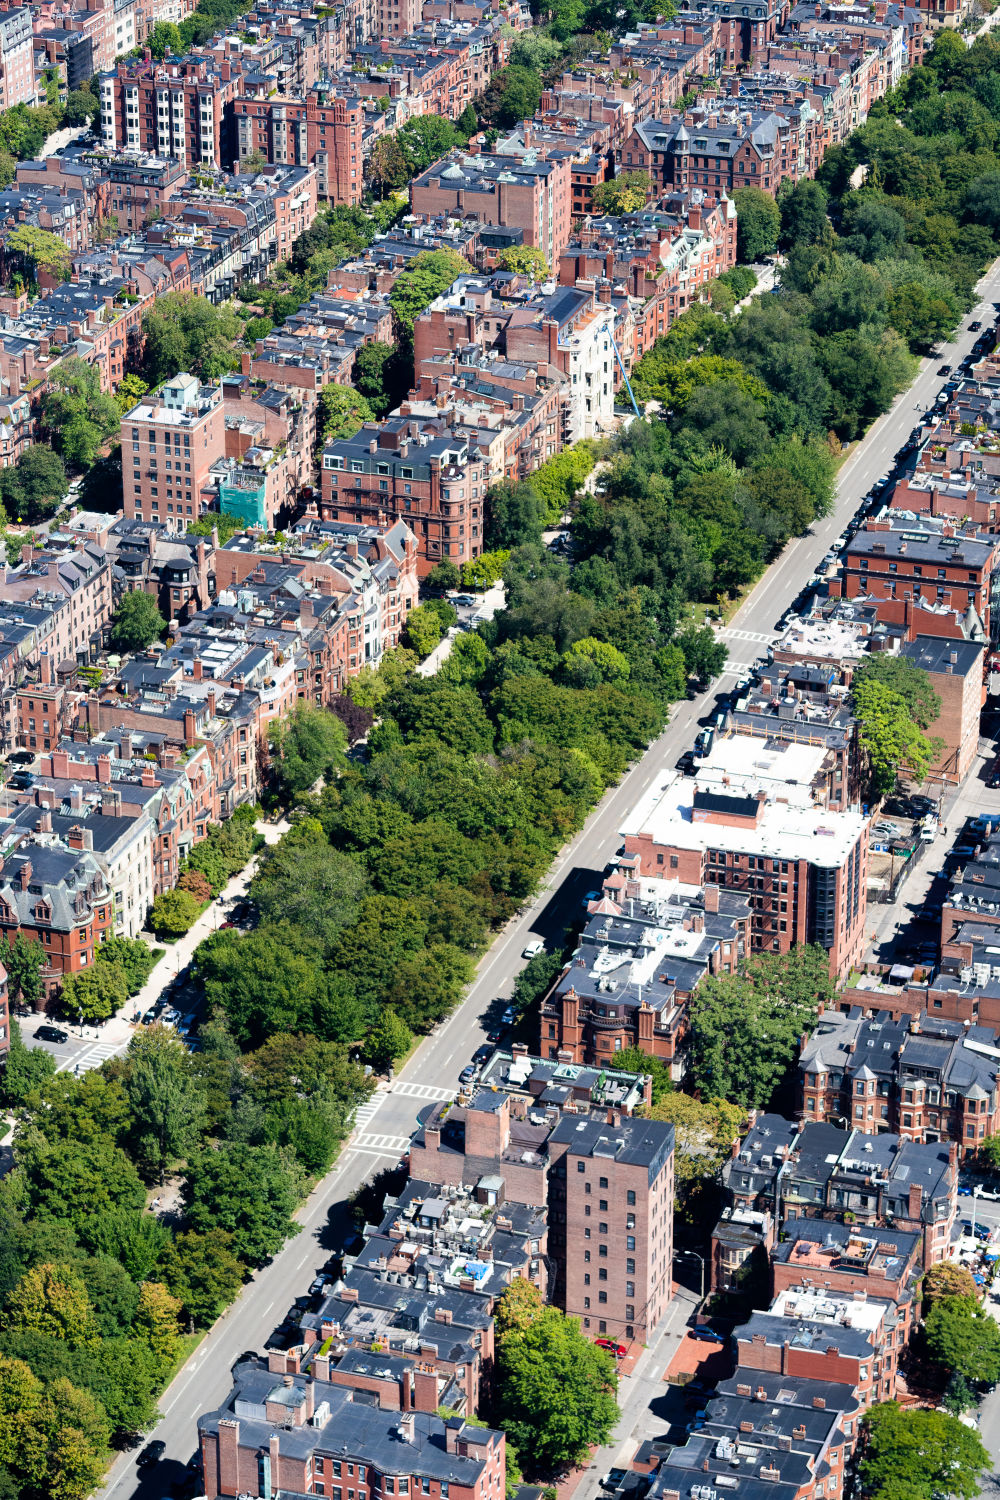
693 1255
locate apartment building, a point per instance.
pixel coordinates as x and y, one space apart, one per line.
175 436
801 864
413 471
68 592
724 148
818 1334
17 58
325 130
934 1079
319 1437
531 193
606 1179
899 557
645 948
56 894
180 108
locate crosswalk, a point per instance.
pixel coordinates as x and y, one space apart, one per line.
422 1091
730 633
380 1145
368 1110
91 1057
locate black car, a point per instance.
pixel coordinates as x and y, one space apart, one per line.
482 1054
945 370
151 1454
975 327
686 763
51 1034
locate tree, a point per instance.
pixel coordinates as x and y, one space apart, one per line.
628 193
891 740
523 260
249 1191
745 1027
132 956
36 485
81 107
45 252
511 96
989 1153
156 1323
423 630
137 622
380 377
174 913
467 123
26 1070
982 202
78 418
308 745
802 206
555 1389
704 654
515 514
388 167
306 883
167 1101
443 577
387 1041
185 332
204 1272
634 1060
53 1440
343 412
758 222
425 277
913 1454
263 983
94 994
425 139
964 1338
165 37
912 684
53 1299
946 1278
131 389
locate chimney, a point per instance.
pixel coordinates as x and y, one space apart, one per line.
190 727
197 669
104 768
45 669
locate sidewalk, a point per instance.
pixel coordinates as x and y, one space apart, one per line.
179 954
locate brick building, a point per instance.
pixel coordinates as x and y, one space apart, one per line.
56 894
306 1435
933 1079
531 193
174 436
646 946
17 58
607 1181
802 866
414 471
180 108
325 129
726 148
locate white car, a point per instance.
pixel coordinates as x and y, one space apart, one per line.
532 949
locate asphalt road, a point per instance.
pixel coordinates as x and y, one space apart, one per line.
385 1123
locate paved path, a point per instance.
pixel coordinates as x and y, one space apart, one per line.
205 1379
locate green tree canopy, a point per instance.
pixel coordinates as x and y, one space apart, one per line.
248 1191
891 739
555 1389
185 332
627 193
343 411
137 622
758 223
964 1338
745 1027
913 1454
309 744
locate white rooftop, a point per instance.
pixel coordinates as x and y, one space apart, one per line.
788 769
791 828
826 1307
835 640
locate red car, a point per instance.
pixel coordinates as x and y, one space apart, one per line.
618 1350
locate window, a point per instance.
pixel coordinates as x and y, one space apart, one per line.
630 1198
603 1205
581 1166
602 1182
602 1296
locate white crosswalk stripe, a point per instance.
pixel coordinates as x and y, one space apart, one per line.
90 1057
729 633
422 1091
368 1110
381 1145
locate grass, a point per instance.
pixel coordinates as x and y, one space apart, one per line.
188 1344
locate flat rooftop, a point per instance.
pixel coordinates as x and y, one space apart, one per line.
789 825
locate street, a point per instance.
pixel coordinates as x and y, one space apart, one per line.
384 1124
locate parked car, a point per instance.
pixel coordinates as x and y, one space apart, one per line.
945 370
509 1016
533 947
707 1335
467 1074
482 1055
590 896
686 763
151 1454
618 1350
975 326
51 1034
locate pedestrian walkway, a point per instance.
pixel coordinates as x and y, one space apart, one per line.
422 1091
92 1057
366 1112
730 633
380 1145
